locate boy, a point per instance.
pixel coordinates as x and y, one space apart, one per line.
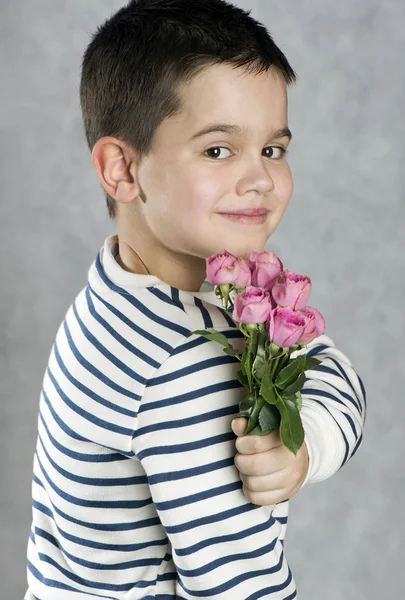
136 490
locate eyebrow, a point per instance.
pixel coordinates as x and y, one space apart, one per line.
236 130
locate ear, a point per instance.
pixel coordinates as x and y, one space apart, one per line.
115 163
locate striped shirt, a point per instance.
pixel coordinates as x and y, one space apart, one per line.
135 491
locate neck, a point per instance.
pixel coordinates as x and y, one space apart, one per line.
180 271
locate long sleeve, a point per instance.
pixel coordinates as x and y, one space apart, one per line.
222 545
333 410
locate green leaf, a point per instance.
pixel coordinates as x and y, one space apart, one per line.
233 351
241 377
296 386
262 370
261 344
291 430
247 405
212 334
254 336
254 417
267 390
311 362
259 366
269 418
298 400
289 374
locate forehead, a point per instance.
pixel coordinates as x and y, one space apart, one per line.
222 93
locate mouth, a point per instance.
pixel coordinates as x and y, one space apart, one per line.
254 219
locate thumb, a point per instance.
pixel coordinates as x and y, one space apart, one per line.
239 425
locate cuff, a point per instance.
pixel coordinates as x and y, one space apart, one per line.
323 444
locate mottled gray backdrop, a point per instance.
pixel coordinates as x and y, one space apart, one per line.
344 227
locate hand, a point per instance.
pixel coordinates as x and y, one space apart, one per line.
269 471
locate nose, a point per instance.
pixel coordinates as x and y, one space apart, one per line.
256 177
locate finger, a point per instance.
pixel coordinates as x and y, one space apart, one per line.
253 444
239 425
263 483
265 498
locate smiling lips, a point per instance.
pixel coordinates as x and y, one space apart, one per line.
248 212
248 215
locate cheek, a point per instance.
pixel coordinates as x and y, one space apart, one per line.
284 185
196 193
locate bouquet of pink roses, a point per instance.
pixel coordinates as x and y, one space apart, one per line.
269 305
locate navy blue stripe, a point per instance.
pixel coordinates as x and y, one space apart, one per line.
130 564
198 393
363 391
198 340
96 481
187 446
142 332
87 415
97 545
229 319
321 393
114 406
224 587
52 583
103 350
123 341
282 520
352 399
214 414
346 378
171 300
226 514
93 370
133 526
355 400
191 498
275 588
176 298
347 450
239 535
176 475
60 422
138 305
93 458
204 312
317 350
194 368
224 560
113 504
357 445
123 587
116 456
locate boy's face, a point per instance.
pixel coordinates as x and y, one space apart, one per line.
189 180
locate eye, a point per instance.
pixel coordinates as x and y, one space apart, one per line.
215 152
275 152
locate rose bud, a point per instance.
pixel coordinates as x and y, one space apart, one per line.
266 267
252 306
225 268
292 290
314 327
285 326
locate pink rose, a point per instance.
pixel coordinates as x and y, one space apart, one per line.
285 326
252 306
291 290
225 268
266 267
314 325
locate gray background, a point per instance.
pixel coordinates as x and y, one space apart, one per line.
344 227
